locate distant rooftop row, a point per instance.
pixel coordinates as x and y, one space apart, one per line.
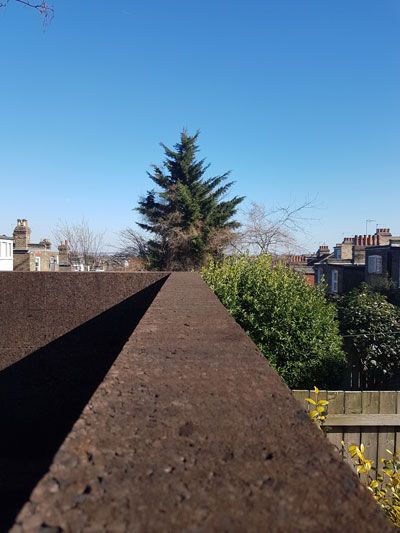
374 259
18 253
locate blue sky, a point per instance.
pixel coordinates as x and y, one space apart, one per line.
298 98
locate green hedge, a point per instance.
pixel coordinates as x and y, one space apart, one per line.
371 326
290 321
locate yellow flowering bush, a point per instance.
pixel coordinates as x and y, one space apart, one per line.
318 411
385 487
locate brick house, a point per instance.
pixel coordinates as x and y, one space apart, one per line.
383 264
32 257
301 264
344 268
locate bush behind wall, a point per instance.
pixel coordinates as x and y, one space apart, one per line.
291 322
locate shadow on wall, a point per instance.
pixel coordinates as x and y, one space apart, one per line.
43 395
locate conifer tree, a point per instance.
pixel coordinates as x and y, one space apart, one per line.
188 215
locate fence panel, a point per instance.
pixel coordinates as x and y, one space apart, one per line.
368 417
369 434
387 404
336 406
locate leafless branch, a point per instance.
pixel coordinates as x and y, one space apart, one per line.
273 231
84 244
132 244
45 9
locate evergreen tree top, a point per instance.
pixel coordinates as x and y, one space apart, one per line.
187 209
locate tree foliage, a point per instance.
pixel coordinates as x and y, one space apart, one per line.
188 215
290 321
371 326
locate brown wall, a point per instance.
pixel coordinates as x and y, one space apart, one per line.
38 307
179 426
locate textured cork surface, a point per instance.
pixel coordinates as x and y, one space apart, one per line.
191 430
45 385
38 307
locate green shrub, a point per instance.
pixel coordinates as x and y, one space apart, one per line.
290 321
371 326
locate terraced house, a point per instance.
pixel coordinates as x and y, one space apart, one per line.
32 257
383 264
345 267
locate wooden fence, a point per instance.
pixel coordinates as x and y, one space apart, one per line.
368 417
357 379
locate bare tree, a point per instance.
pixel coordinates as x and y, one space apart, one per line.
132 244
274 231
45 9
132 249
84 244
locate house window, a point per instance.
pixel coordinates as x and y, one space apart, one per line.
9 249
375 264
37 264
334 283
319 275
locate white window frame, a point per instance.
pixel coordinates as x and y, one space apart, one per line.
37 263
375 264
335 281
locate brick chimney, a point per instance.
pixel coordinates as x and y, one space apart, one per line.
63 250
323 250
297 259
22 234
347 248
383 235
45 243
360 242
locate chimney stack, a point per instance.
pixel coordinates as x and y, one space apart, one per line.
323 250
63 250
22 234
383 235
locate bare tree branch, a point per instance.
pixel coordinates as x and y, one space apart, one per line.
275 231
84 244
45 9
132 244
